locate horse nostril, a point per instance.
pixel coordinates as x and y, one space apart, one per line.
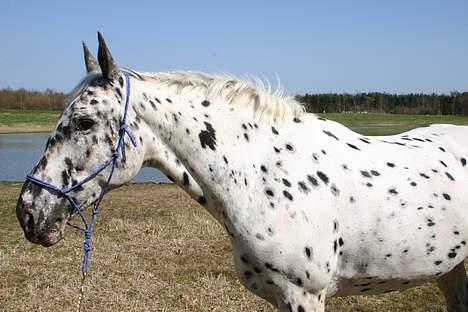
58 222
28 222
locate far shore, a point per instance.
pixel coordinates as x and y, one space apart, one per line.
24 129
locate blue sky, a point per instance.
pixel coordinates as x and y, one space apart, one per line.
312 46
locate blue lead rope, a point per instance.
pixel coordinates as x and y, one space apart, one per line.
87 229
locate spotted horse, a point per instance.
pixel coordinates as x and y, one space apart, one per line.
313 210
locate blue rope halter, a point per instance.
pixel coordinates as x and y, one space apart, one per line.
87 229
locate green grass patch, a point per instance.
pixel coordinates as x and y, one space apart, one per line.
390 124
399 120
12 117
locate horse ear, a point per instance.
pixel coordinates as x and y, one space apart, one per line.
109 69
90 61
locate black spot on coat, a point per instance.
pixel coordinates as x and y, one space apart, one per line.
287 195
425 176
449 176
303 187
68 163
365 174
452 255
312 180
208 137
185 179
353 146
323 177
330 134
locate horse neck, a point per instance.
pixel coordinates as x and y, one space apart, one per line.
219 146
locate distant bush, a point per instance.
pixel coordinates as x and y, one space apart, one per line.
27 99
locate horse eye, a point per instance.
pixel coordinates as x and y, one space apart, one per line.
84 124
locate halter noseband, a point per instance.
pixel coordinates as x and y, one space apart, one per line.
87 229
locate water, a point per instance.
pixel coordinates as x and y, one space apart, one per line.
20 152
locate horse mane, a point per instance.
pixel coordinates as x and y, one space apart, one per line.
253 93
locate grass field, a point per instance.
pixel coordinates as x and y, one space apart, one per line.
394 119
155 249
14 120
389 124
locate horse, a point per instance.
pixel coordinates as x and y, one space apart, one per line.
312 209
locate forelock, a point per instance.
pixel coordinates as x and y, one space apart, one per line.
85 82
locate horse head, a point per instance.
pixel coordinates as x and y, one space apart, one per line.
79 156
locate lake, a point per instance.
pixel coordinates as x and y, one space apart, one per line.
20 152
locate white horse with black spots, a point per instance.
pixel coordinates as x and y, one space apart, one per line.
313 210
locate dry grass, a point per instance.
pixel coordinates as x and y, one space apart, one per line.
154 250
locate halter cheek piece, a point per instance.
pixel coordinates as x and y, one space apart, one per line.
87 229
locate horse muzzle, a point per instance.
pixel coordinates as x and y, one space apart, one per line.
38 228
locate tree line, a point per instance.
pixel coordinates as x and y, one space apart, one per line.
30 99
455 103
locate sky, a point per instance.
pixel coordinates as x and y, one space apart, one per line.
309 46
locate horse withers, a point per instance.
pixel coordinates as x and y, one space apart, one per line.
313 210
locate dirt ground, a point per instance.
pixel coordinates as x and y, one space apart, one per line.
155 249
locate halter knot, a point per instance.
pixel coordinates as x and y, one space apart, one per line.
124 129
